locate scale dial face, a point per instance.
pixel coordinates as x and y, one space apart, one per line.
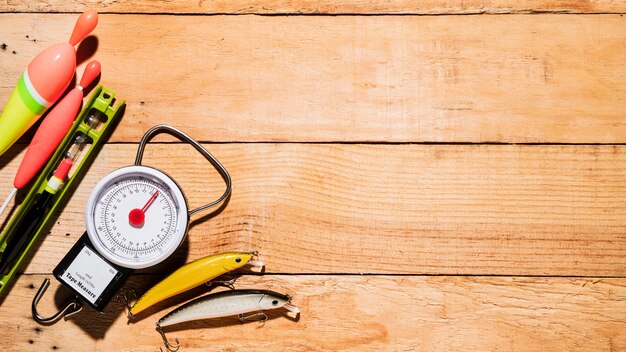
136 217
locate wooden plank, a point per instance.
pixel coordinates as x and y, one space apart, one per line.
436 209
352 313
353 78
332 7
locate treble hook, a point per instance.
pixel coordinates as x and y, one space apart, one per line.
168 345
226 283
72 307
127 302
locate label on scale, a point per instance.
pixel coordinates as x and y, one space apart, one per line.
89 274
91 277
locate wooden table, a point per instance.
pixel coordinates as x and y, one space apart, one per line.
419 175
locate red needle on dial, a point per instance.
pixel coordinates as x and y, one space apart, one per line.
137 216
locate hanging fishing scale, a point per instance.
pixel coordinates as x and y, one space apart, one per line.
136 217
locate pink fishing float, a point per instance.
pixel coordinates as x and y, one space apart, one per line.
42 83
51 132
53 128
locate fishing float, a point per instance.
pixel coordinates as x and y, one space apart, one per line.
43 82
52 131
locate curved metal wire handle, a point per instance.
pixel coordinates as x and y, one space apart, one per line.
185 138
72 307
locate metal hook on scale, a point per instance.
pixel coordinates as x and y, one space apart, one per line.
72 307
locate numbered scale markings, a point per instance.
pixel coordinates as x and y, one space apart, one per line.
136 217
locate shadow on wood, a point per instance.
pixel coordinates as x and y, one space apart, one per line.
210 215
86 49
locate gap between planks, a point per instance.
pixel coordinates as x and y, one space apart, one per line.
346 14
400 275
325 7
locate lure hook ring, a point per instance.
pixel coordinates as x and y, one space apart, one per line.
207 155
72 307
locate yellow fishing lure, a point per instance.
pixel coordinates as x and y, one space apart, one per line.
192 275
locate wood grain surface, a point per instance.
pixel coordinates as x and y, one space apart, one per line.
356 313
315 7
353 78
417 176
434 209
